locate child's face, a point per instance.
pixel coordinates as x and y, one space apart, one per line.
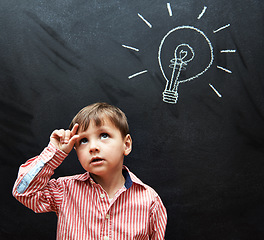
101 149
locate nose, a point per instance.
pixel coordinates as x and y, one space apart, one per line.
94 147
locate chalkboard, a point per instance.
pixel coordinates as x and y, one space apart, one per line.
189 76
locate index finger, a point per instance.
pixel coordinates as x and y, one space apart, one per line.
74 129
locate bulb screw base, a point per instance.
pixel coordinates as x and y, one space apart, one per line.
170 96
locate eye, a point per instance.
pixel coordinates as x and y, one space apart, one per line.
83 140
104 135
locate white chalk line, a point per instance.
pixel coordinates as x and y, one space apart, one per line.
179 28
132 48
228 51
169 9
224 69
221 28
136 74
217 93
147 22
202 13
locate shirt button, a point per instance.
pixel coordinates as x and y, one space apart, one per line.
107 216
102 195
106 238
91 181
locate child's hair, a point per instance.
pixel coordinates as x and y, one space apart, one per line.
98 112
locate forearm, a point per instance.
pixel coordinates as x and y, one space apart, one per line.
31 187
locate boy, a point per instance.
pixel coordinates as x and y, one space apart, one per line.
107 201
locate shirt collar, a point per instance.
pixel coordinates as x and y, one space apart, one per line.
130 178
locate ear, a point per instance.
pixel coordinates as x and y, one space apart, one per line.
128 144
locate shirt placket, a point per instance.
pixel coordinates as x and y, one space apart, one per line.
103 207
106 221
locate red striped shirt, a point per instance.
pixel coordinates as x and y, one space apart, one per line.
83 207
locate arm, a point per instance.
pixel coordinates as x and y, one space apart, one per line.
32 187
158 220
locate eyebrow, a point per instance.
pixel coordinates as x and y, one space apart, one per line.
99 129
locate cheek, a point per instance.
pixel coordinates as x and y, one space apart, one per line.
81 155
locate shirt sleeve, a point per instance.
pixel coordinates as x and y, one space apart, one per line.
33 186
158 220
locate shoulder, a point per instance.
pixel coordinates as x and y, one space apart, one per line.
146 195
142 186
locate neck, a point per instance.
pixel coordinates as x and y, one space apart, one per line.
110 184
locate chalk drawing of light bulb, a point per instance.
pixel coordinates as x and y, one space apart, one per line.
183 54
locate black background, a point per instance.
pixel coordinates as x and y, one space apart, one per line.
204 155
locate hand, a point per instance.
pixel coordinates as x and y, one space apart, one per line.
65 139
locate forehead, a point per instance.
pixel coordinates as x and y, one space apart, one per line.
98 124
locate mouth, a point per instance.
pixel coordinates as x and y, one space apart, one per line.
97 160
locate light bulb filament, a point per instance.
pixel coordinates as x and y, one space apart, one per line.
182 55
